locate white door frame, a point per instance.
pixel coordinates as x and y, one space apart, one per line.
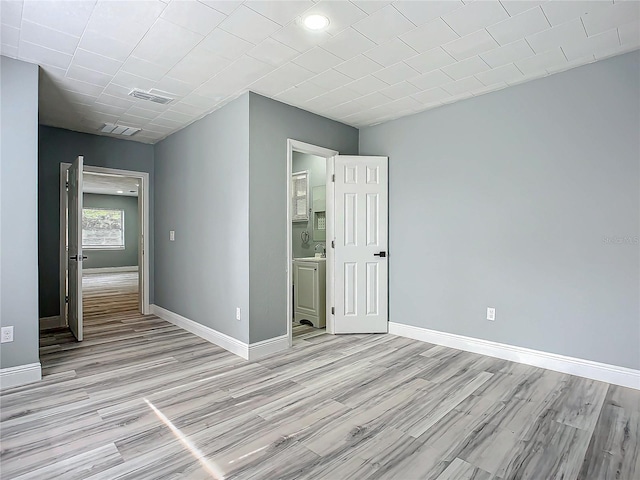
328 154
143 246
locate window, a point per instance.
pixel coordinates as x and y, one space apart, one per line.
102 228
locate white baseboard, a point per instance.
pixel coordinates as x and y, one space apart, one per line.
133 268
217 338
47 323
20 375
603 372
267 347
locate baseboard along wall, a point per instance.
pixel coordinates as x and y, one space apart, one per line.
20 375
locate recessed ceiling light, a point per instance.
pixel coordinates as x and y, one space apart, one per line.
316 22
120 191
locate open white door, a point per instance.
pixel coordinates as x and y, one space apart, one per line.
75 247
361 231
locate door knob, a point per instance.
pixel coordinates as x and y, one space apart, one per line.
381 254
75 257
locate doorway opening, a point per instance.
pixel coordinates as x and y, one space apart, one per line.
309 234
113 277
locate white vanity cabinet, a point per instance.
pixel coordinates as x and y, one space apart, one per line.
309 290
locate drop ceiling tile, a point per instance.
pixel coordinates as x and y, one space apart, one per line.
463 86
9 50
594 44
144 69
198 66
384 25
125 21
224 6
194 16
557 36
109 109
474 16
405 104
80 98
429 36
457 98
173 87
348 43
539 63
358 67
93 61
430 60
566 66
9 35
629 34
52 39
505 74
80 87
470 45
299 38
130 81
612 16
101 117
166 43
331 79
281 79
235 77
391 52
108 47
195 100
225 45
345 109
465 68
273 52
396 73
340 14
173 115
559 12
182 107
400 90
89 76
41 55
367 85
11 13
516 28
430 80
65 16
369 6
116 101
142 112
508 54
301 93
514 8
373 100
331 99
317 60
431 96
424 12
281 12
249 25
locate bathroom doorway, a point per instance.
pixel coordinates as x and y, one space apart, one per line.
310 227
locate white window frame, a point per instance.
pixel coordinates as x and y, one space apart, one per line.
106 247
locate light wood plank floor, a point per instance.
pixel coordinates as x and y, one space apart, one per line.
109 293
143 399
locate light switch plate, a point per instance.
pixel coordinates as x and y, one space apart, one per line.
491 313
238 315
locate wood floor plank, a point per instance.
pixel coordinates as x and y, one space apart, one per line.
143 399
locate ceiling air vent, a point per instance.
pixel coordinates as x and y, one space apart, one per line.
119 129
150 97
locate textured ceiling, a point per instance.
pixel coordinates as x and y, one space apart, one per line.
109 184
376 61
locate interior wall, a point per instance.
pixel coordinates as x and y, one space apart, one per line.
271 124
19 210
58 146
202 185
526 200
317 168
109 257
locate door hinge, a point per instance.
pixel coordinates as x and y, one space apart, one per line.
333 244
333 310
66 184
333 177
66 299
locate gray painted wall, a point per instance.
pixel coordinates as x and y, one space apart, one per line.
317 168
128 256
63 146
271 123
18 210
202 185
526 200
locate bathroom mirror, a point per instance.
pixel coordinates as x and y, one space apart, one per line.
319 199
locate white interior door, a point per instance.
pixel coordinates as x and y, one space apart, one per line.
75 247
361 236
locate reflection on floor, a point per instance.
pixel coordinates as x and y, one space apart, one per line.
107 293
303 332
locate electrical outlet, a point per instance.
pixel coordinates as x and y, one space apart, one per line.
238 316
172 235
491 313
6 335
